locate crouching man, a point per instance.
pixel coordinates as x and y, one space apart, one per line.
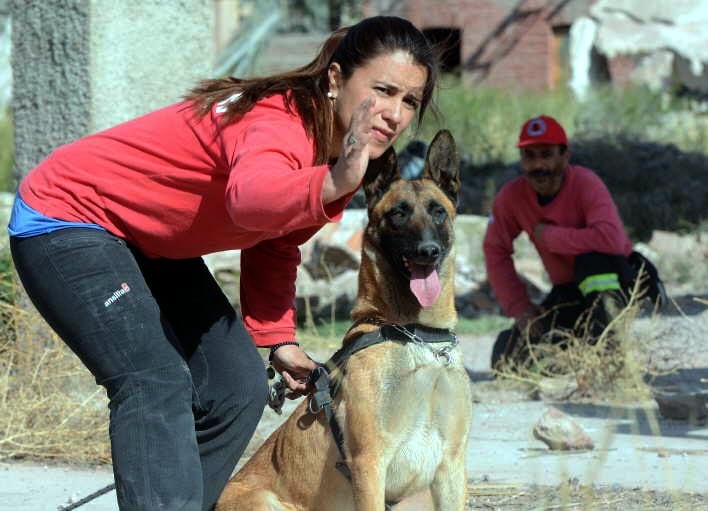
569 215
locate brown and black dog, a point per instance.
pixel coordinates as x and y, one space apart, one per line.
403 407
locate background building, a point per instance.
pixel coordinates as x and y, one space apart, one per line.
544 44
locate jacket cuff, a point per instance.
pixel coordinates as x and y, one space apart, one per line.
270 338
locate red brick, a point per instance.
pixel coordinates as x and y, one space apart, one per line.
519 56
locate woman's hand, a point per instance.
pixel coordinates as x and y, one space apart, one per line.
295 367
346 175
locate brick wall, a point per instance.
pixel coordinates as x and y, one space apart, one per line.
621 68
504 43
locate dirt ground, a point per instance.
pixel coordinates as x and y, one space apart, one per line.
675 342
510 470
572 497
678 342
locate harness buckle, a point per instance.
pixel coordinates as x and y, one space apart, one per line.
314 406
444 355
276 396
321 398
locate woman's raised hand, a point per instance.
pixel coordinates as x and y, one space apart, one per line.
346 175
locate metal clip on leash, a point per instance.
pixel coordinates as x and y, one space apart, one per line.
321 398
411 335
443 355
276 391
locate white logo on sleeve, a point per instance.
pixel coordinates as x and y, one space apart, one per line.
124 288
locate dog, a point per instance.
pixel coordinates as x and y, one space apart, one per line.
400 413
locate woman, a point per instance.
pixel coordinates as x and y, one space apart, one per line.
108 232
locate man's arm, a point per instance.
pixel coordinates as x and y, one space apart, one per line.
498 246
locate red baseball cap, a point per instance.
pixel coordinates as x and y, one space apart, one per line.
542 130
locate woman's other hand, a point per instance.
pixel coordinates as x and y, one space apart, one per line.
295 366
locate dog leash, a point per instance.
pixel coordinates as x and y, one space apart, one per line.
322 400
88 498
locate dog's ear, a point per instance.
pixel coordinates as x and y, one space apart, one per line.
380 173
442 164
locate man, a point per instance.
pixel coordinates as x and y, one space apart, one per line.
570 217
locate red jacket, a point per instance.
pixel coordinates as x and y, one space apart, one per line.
177 186
581 218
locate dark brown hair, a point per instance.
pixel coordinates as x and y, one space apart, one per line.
305 88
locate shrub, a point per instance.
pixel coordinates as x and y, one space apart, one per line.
50 407
7 183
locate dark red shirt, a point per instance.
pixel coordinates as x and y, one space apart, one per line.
581 218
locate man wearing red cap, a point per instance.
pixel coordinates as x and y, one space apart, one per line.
570 217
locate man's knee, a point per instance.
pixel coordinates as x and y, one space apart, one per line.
650 284
600 278
597 272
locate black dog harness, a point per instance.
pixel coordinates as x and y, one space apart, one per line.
326 388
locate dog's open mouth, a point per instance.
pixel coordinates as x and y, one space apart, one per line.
425 284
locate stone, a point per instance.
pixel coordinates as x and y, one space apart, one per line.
560 432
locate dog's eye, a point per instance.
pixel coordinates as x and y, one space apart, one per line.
397 216
438 213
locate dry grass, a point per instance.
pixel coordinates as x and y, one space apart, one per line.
50 406
573 496
612 368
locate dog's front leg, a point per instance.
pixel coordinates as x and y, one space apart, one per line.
368 482
449 487
364 432
367 465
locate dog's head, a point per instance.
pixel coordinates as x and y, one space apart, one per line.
411 222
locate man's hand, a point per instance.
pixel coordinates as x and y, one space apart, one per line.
538 232
295 367
529 320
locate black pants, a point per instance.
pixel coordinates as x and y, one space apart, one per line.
186 384
596 275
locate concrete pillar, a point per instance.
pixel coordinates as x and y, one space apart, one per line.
80 66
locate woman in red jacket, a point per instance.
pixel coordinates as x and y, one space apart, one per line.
108 232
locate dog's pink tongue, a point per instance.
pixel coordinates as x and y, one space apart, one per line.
425 284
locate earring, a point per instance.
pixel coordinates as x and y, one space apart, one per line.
331 95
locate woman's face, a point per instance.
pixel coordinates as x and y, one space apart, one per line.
395 80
